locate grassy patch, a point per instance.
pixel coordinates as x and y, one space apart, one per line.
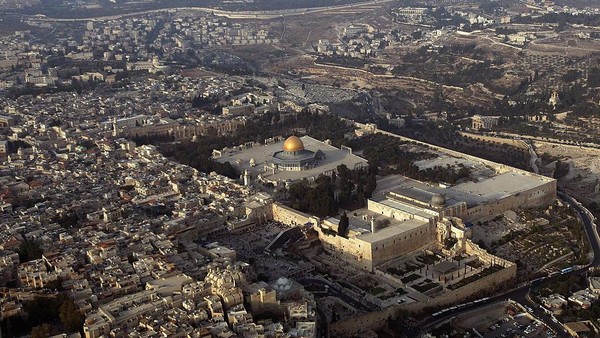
400 292
377 290
410 278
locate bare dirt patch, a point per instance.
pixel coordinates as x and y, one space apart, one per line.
583 178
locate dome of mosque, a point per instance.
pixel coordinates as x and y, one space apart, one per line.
293 143
438 200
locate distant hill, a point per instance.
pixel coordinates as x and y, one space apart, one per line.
17 4
93 8
579 3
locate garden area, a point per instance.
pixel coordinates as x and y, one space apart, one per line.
536 238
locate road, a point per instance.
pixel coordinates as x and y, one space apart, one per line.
588 220
259 15
544 139
521 294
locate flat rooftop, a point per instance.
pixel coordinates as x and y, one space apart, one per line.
495 188
262 155
473 193
392 230
362 223
404 207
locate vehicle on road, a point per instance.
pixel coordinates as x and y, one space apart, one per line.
566 270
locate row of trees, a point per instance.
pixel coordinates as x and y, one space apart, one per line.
352 187
385 154
448 137
355 186
444 174
317 198
345 61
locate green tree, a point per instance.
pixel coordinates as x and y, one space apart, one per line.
593 79
345 184
30 250
70 316
316 198
561 169
343 225
371 185
360 195
41 331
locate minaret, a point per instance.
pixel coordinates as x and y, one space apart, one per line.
246 178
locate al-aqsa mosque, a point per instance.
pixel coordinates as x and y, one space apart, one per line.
280 161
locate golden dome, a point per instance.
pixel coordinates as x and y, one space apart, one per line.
293 143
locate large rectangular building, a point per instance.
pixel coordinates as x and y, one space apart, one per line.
470 201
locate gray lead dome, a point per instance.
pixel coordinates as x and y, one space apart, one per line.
438 200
